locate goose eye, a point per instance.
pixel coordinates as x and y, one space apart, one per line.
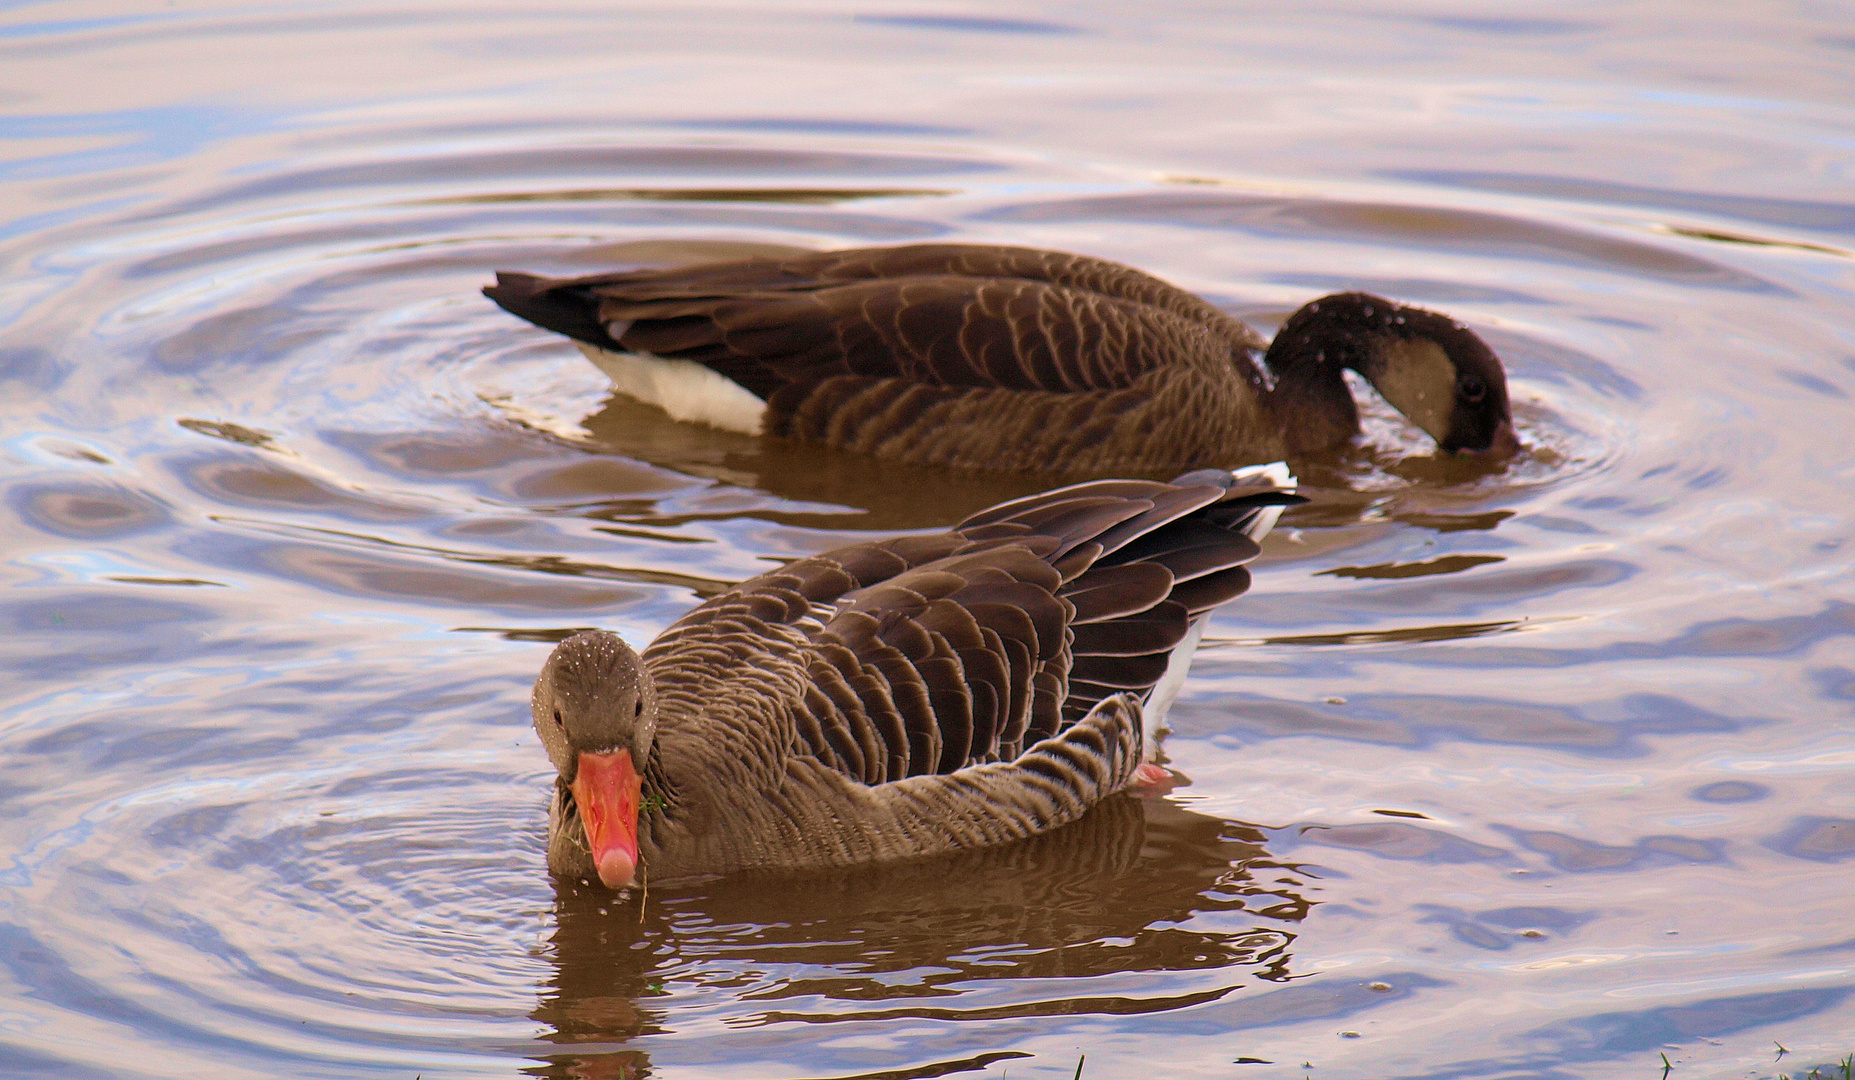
638 710
558 722
1472 387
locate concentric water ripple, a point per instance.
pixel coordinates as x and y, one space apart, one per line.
1531 772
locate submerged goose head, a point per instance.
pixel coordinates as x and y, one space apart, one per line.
596 712
1434 370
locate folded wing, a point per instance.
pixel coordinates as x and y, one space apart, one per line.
926 655
948 315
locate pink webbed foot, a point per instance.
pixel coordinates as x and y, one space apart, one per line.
1151 779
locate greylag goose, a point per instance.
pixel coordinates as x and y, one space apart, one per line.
984 357
900 698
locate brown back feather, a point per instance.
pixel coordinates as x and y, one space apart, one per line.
943 315
946 650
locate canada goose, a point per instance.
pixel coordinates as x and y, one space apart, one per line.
899 698
985 357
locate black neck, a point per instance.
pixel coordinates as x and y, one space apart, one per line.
1310 397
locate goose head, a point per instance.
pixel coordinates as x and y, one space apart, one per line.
596 712
1434 370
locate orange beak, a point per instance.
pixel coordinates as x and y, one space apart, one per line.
606 789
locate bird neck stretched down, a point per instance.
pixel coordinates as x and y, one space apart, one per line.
1004 358
1429 367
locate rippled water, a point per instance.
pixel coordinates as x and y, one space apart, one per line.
1544 773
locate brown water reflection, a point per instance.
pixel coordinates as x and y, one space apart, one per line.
1536 772
985 936
889 496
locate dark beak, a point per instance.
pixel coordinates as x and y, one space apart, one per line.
1503 444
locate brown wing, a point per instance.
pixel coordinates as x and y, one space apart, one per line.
928 654
944 314
804 273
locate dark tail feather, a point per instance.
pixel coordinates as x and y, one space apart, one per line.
1253 497
562 310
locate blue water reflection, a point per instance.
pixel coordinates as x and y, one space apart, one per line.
1530 772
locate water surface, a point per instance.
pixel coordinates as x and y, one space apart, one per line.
1536 773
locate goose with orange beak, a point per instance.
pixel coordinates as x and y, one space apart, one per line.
594 713
899 698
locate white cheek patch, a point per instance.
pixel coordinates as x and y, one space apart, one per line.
683 388
1419 381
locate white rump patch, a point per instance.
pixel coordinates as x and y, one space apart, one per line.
1276 472
683 388
1166 690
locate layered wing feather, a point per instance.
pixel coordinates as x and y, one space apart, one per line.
907 697
926 655
944 315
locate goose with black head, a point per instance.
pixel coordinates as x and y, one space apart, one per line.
1004 358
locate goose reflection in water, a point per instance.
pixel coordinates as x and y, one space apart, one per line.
1116 893
890 495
